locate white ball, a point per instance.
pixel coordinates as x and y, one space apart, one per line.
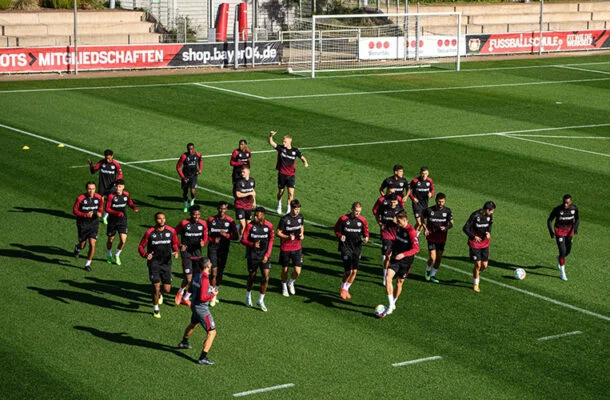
289 70
380 311
520 273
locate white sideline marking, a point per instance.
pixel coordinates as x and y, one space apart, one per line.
400 364
583 69
550 300
231 91
560 335
556 145
563 137
304 96
330 146
267 389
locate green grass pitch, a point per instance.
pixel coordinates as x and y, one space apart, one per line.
521 133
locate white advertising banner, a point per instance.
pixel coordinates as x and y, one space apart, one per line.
393 48
381 48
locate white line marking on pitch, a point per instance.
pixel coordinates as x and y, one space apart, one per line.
561 137
267 389
555 145
231 91
583 69
400 364
548 299
560 335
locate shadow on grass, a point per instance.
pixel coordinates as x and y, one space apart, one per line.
125 338
47 211
35 253
69 296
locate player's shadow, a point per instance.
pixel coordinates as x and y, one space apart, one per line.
47 211
330 299
36 253
125 338
69 296
127 290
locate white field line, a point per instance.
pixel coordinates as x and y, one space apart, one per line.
400 364
520 133
560 335
563 137
231 91
548 299
583 69
419 90
556 145
267 389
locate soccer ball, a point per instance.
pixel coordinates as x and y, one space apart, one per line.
289 70
520 273
380 311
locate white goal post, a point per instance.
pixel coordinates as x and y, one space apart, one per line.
374 41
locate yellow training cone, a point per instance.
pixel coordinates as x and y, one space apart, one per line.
60 145
25 148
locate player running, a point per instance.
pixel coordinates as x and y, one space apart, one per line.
258 239
395 183
88 209
189 167
109 171
385 211
202 295
221 230
422 189
404 248
158 245
438 220
352 230
286 162
478 230
193 237
244 194
566 226
116 208
240 157
290 230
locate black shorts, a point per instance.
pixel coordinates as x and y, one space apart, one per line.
402 267
116 226
87 230
254 265
189 182
418 209
106 190
295 256
218 255
386 246
204 317
436 246
285 181
160 272
479 254
241 213
351 260
188 264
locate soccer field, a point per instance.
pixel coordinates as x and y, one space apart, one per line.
520 133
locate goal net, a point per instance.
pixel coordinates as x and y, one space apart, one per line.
374 41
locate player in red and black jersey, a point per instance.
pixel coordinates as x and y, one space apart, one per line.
290 230
286 162
352 230
385 211
109 171
189 167
244 194
566 224
116 208
193 237
221 230
395 183
88 209
437 219
158 245
422 189
240 157
203 295
478 230
404 248
258 239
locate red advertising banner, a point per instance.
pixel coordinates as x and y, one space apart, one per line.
529 42
62 59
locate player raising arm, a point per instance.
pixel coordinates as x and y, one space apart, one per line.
286 162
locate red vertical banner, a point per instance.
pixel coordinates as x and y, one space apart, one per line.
243 21
222 22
